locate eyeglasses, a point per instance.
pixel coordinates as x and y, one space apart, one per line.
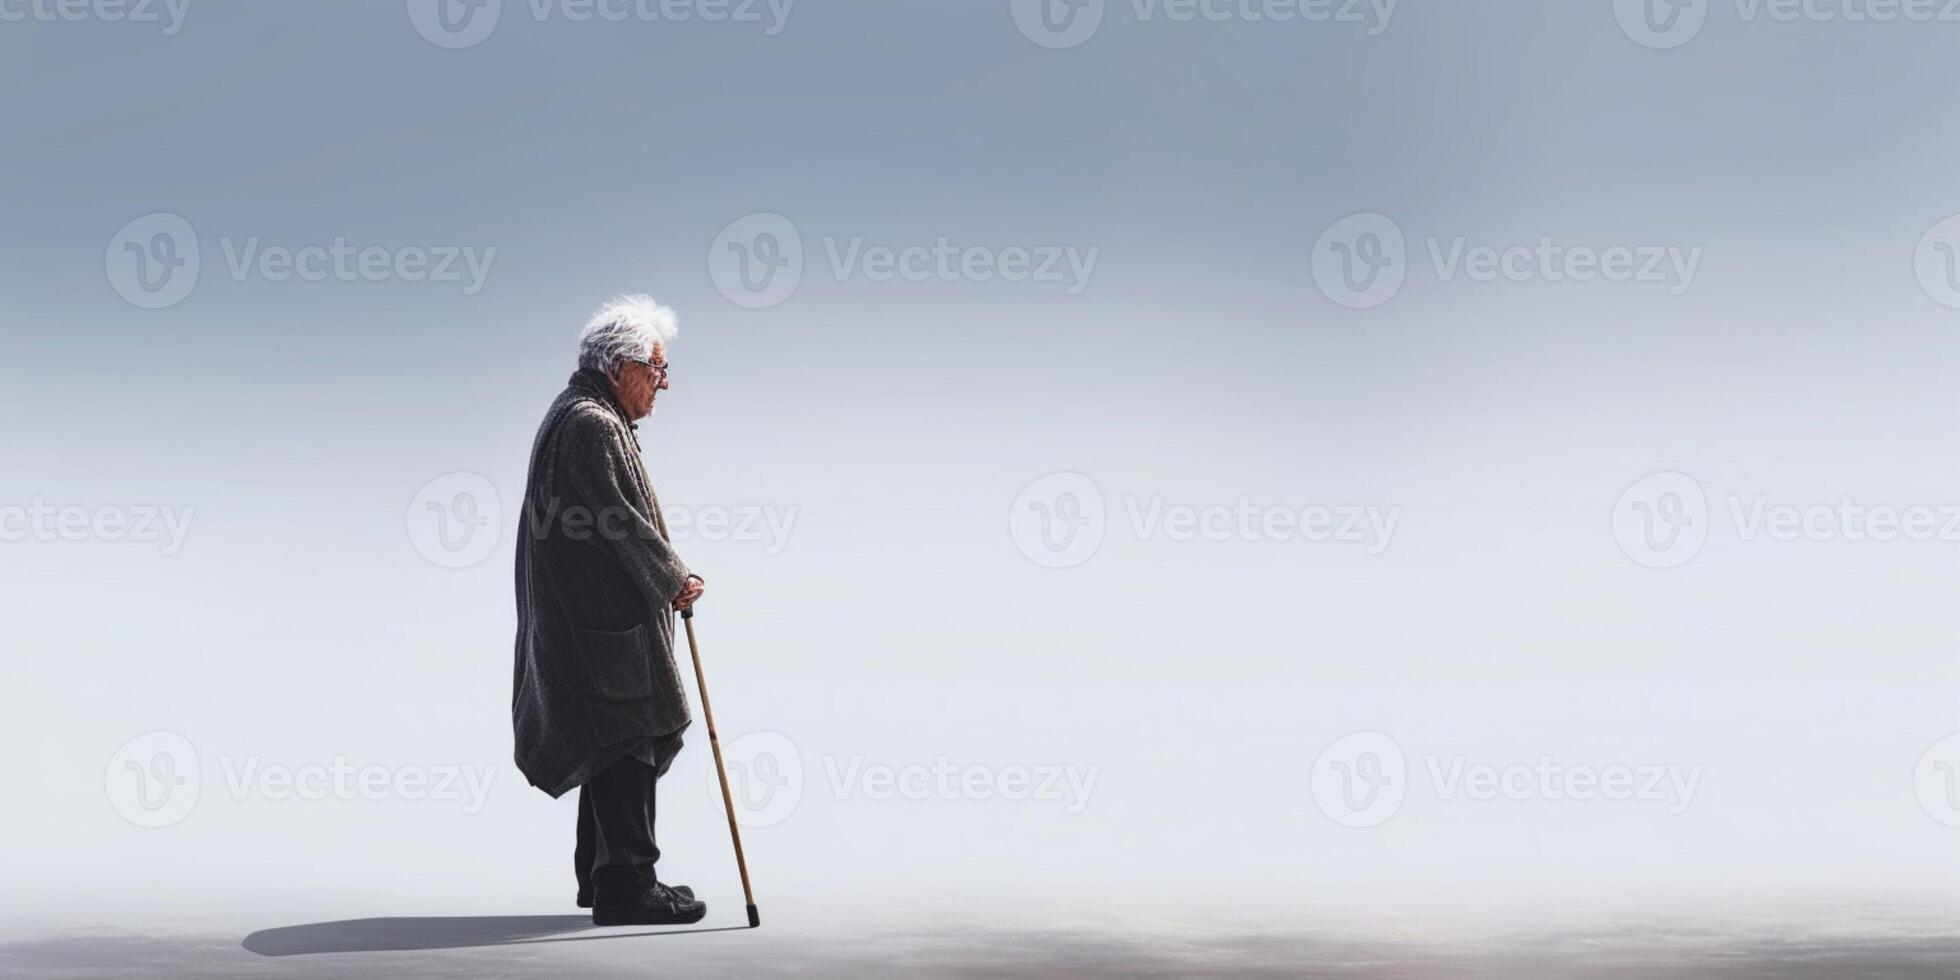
659 370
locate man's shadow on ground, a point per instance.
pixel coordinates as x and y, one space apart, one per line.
437 932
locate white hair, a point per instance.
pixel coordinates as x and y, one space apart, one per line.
628 328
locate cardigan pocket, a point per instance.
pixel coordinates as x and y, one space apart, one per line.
617 663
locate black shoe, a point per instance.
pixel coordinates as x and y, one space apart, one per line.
585 898
659 905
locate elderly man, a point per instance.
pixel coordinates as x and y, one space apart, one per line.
597 702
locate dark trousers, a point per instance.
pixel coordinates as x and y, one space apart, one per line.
616 853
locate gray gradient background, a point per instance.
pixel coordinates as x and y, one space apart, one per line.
900 622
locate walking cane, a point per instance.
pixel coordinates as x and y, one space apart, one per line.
721 771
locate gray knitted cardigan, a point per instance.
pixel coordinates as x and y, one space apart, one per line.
596 579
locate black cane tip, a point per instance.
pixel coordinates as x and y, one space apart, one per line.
755 918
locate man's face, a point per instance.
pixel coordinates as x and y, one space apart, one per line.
638 383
